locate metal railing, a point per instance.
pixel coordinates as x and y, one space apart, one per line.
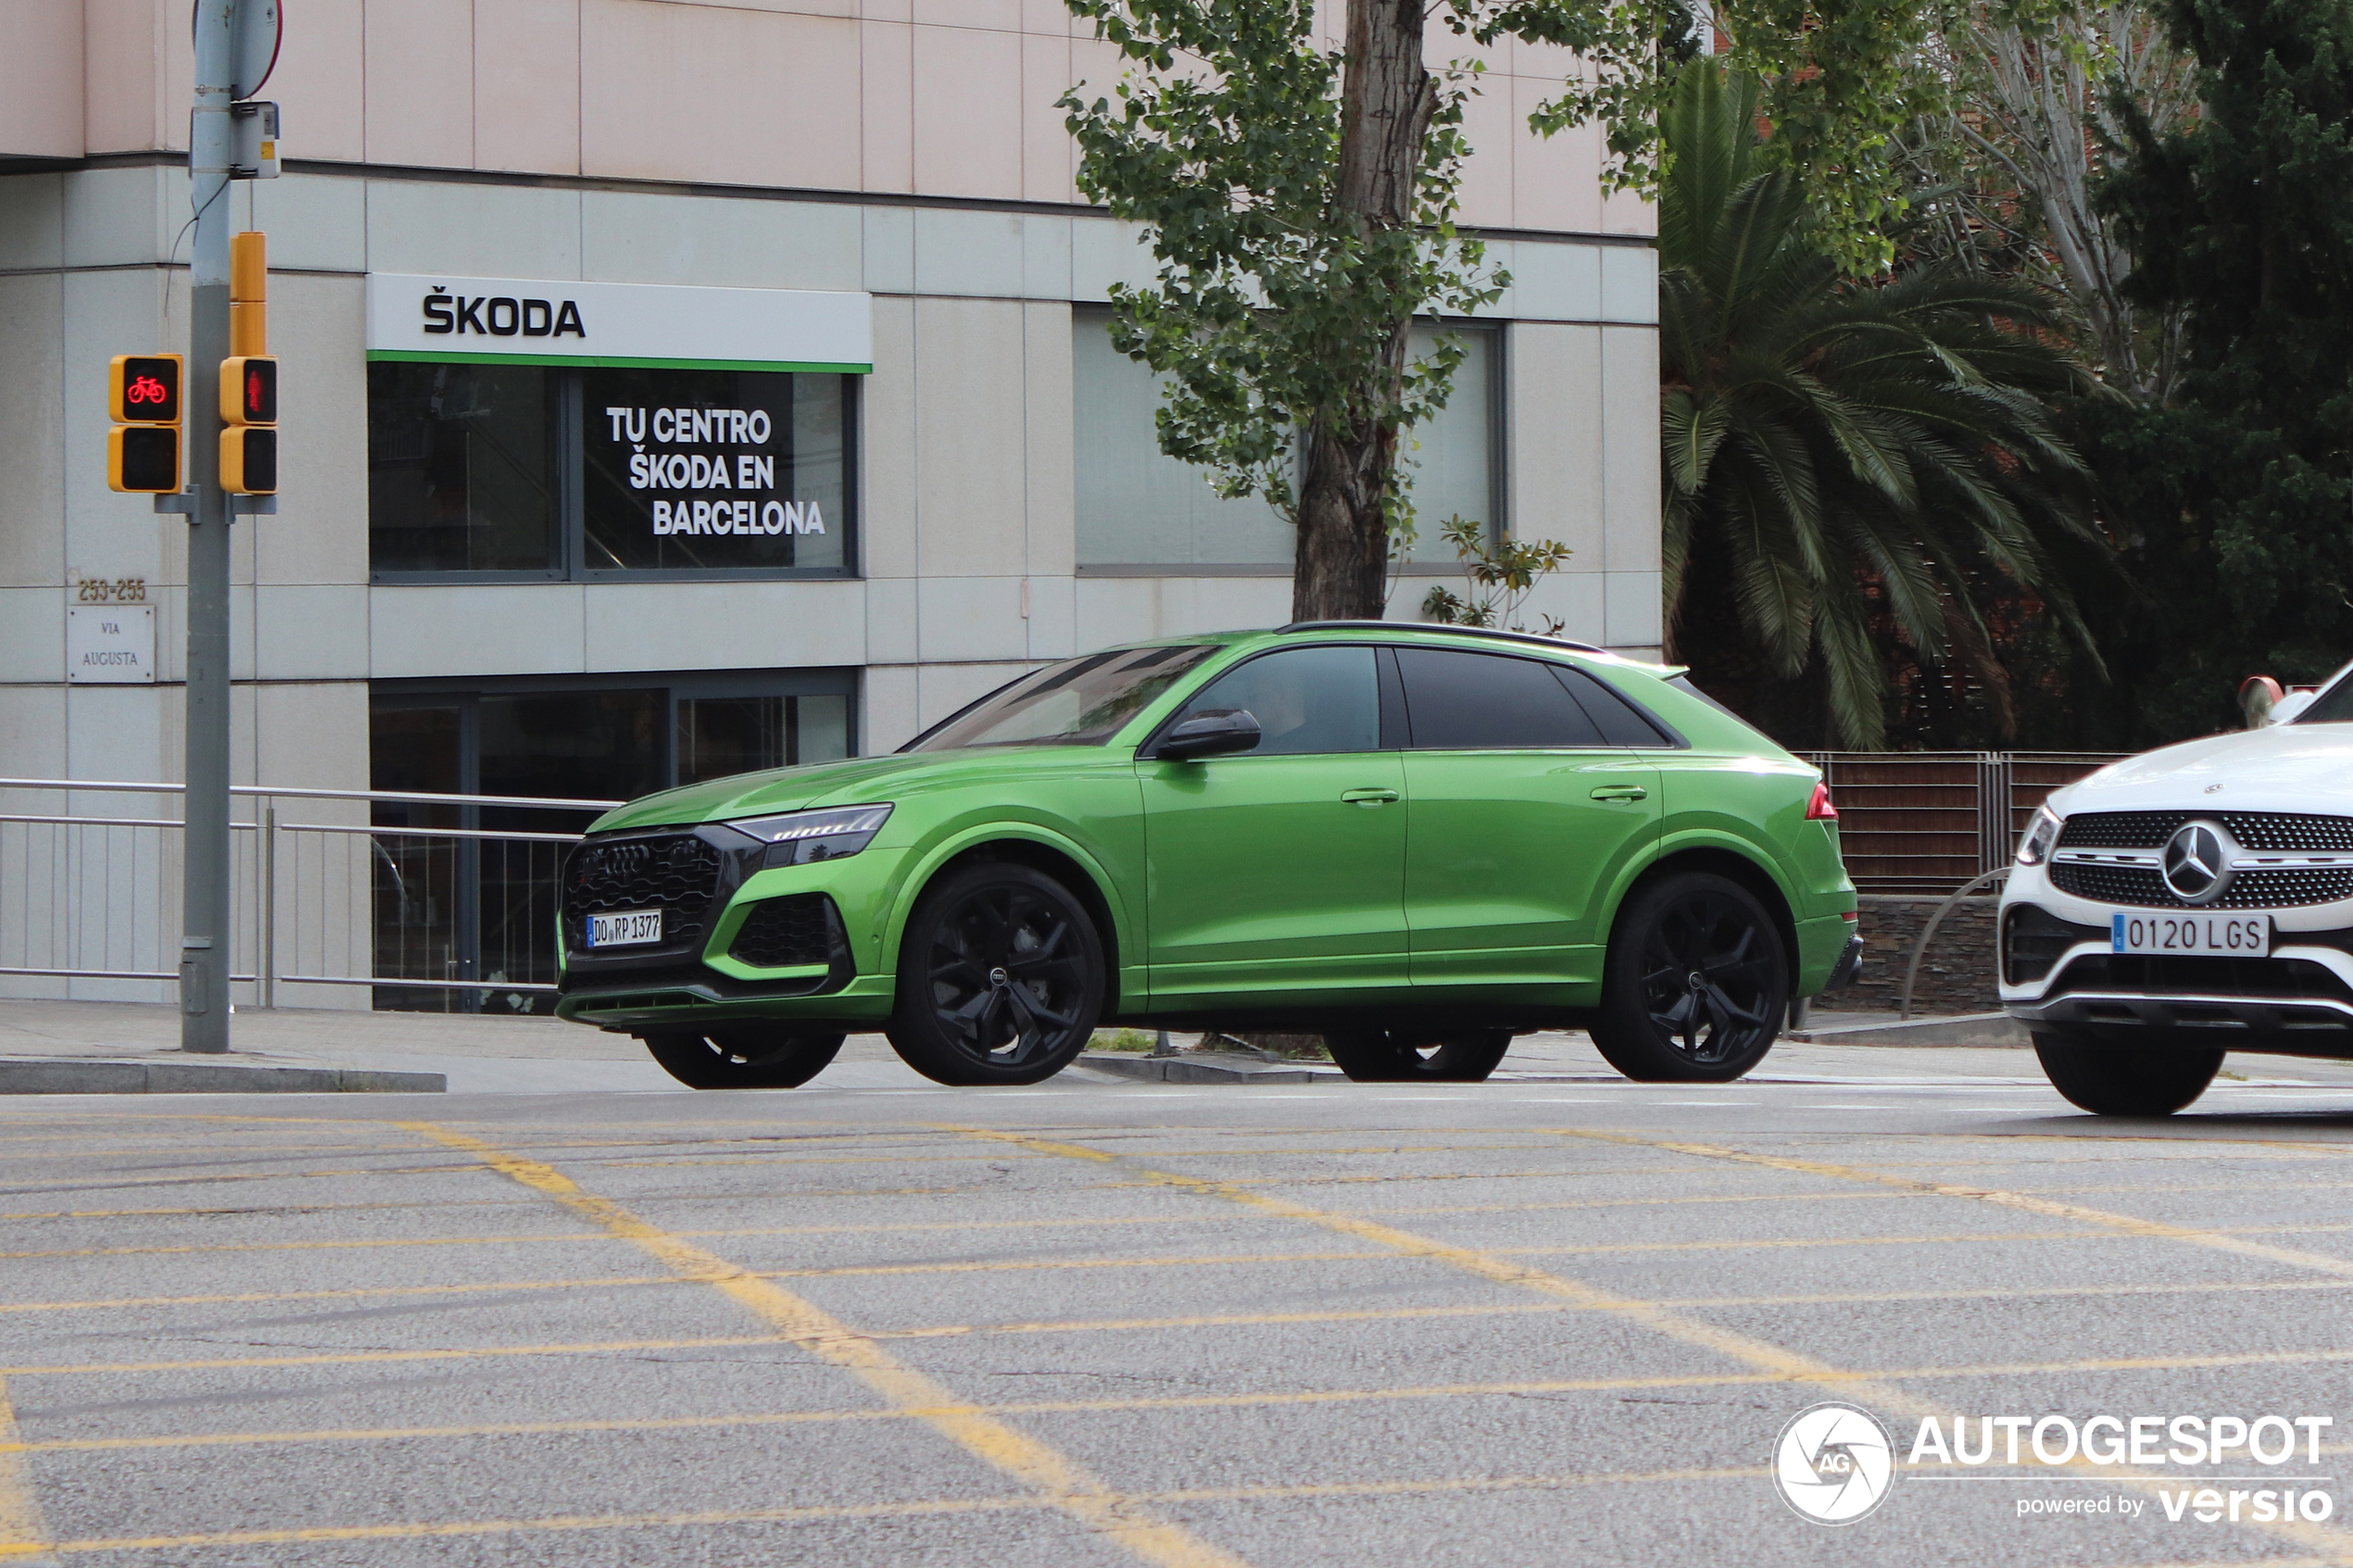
434 911
456 911
1929 821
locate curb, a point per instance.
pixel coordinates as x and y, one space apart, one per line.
66 1076
1187 1069
1966 1029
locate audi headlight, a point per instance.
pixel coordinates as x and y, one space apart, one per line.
800 839
2041 833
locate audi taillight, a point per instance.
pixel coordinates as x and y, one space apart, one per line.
1820 809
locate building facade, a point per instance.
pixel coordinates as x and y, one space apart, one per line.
671 388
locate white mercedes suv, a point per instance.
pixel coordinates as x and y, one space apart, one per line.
2194 900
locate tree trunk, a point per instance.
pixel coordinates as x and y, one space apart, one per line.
1387 99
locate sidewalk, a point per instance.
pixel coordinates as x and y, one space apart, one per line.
491 1055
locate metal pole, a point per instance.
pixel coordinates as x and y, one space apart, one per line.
205 925
266 973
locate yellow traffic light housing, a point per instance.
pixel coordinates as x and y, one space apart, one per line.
249 391
143 449
144 389
144 460
249 460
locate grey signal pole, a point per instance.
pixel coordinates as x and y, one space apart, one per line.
204 943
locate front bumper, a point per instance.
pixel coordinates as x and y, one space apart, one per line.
2058 971
754 942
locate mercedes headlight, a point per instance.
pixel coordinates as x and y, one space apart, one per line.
2041 833
800 839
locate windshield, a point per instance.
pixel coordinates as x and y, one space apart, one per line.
2333 706
1077 702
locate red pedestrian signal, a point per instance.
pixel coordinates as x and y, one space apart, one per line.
249 391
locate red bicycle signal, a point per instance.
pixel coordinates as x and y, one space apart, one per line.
145 388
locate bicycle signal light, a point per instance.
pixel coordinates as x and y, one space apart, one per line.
144 389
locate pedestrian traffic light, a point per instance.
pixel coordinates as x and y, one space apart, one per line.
249 391
143 448
249 377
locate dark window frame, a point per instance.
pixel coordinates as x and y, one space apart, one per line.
568 396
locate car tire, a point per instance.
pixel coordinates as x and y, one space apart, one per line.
1001 977
750 1058
2157 1079
1389 1056
1695 983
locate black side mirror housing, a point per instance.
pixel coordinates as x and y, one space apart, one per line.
1218 733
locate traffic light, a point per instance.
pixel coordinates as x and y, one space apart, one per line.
249 377
143 449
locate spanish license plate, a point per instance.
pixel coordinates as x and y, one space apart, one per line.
625 929
2242 936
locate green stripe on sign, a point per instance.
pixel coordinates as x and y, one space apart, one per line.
607 362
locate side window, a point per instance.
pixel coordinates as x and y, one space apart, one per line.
1478 701
1306 701
1621 721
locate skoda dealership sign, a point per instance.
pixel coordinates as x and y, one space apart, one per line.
526 321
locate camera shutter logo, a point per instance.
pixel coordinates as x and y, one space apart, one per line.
1833 1463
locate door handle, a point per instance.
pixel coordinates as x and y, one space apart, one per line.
1368 797
1621 791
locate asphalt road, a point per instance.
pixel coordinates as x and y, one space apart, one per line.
1096 1324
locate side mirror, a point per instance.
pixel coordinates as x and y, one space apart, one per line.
1215 733
2259 699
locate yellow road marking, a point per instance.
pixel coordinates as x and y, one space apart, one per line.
2122 1224
1760 1355
923 1508
1065 1484
1253 1400
1207 1320
353 1294
24 1533
357 1358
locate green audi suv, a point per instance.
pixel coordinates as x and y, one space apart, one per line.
1415 841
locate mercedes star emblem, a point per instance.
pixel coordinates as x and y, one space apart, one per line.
2198 863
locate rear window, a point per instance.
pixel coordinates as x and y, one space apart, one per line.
1480 701
1620 721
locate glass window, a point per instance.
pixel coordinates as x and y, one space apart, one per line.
1620 721
1463 701
1077 702
703 470
461 469
1307 701
1139 506
1451 457
720 735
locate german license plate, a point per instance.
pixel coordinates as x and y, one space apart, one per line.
625 929
2207 936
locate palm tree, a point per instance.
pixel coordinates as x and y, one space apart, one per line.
1847 454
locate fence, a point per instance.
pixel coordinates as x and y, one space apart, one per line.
451 904
441 901
1928 821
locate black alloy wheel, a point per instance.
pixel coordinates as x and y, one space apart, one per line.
2152 1077
1395 1056
1695 984
1001 978
751 1056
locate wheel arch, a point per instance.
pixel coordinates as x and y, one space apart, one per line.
1052 856
1734 865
